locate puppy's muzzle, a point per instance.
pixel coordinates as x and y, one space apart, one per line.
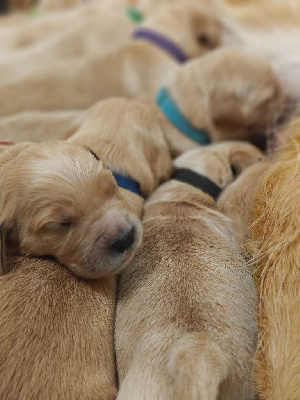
113 248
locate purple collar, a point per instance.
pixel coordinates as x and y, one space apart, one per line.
161 41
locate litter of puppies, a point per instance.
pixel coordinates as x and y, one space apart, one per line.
149 200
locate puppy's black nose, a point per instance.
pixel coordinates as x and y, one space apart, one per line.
124 241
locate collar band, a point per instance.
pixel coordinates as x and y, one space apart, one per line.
122 180
161 41
197 180
174 115
126 182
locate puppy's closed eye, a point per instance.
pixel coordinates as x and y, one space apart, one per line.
59 227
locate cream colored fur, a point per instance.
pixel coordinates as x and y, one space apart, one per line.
230 93
185 325
58 200
135 70
39 126
93 31
269 28
62 346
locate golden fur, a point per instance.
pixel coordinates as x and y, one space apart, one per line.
185 325
264 202
242 104
56 334
230 93
39 126
62 346
133 70
82 36
57 199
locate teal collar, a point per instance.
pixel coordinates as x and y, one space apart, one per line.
174 115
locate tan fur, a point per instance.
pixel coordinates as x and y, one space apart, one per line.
230 93
185 325
268 211
134 70
56 338
243 103
57 200
39 126
63 344
275 235
93 31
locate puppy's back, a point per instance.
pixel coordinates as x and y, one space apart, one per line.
49 335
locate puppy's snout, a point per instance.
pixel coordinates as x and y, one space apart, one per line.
124 240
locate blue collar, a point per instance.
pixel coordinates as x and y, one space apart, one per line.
126 182
174 115
122 180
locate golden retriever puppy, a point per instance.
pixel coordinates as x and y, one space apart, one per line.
64 344
185 324
58 200
228 94
134 70
267 214
85 36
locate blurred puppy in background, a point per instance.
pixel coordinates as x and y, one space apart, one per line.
228 94
135 70
185 325
82 36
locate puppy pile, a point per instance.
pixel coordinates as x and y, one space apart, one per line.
149 213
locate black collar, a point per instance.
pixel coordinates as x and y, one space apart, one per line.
198 181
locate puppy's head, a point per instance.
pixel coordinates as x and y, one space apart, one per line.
233 94
57 199
195 29
220 162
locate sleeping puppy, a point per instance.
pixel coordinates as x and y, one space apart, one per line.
57 200
229 94
134 70
62 345
185 324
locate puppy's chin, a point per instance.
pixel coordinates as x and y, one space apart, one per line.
106 268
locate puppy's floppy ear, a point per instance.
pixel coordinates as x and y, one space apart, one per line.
8 181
